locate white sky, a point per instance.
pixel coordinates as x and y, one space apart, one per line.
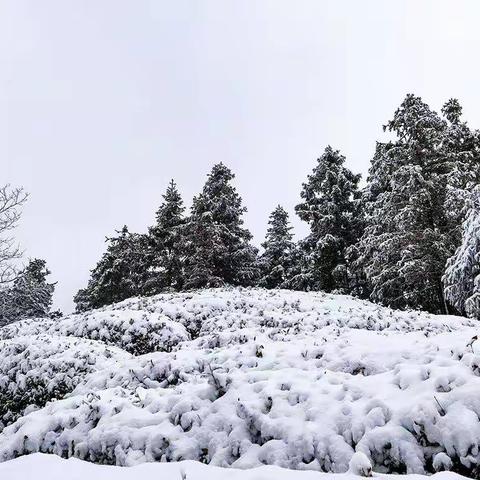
102 102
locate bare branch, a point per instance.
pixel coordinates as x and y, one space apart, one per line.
11 202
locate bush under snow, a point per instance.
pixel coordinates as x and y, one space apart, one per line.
251 377
40 368
136 331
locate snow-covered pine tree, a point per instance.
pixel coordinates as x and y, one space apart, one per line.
165 240
329 207
121 272
462 276
30 295
276 260
405 243
460 167
217 246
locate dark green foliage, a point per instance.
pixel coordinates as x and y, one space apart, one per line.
29 296
329 206
461 280
121 272
217 245
276 262
460 168
165 244
411 227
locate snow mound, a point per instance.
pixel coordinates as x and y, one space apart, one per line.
135 331
304 381
50 467
360 465
40 368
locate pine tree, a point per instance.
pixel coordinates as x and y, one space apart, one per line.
461 167
165 240
30 295
276 260
405 243
462 276
415 202
217 245
121 272
330 208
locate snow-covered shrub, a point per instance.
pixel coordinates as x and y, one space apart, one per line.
134 331
360 465
442 462
37 369
301 380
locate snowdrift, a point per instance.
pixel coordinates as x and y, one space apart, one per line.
50 467
244 378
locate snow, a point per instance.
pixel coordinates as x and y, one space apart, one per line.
134 331
360 465
250 377
462 275
49 467
34 369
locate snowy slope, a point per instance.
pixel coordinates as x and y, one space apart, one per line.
50 467
247 377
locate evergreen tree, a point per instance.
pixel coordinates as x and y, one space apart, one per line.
462 275
415 202
165 239
461 167
276 260
330 208
121 272
217 245
407 240
30 295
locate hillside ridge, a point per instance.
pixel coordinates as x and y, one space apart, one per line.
245 377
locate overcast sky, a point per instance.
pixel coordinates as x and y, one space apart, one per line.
102 102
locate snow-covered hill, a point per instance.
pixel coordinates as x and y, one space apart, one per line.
242 378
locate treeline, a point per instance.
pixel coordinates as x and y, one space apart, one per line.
409 239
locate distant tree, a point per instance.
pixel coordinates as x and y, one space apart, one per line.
276 262
217 248
11 202
121 272
462 276
83 300
29 296
165 242
329 207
